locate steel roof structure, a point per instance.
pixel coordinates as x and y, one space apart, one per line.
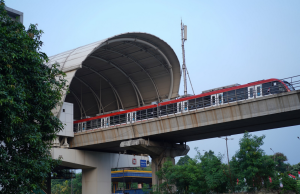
121 72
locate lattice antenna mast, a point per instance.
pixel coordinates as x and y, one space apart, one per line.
183 39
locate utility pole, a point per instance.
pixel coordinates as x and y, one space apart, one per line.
273 154
183 39
274 161
228 156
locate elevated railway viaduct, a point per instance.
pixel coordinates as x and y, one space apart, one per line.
132 70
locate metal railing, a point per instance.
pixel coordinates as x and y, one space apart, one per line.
294 81
237 95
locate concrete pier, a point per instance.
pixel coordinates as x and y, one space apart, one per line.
96 167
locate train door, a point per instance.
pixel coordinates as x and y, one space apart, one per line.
179 107
185 106
83 126
100 123
213 100
251 92
133 116
220 99
258 91
128 118
105 122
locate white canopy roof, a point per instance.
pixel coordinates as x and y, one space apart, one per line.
125 71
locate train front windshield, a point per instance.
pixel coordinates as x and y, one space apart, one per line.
290 86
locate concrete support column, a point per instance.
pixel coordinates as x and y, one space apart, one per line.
96 167
160 152
97 180
156 164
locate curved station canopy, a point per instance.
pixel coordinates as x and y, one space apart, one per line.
122 72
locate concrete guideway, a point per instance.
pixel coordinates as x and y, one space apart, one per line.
268 112
96 166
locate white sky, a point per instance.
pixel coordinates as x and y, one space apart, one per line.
228 42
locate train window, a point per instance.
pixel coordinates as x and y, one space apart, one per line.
94 124
213 100
83 126
206 101
225 100
138 115
162 110
133 116
277 88
251 92
258 92
117 119
144 114
231 96
290 86
123 118
99 123
150 113
192 104
170 108
241 94
266 88
199 102
88 125
111 120
282 88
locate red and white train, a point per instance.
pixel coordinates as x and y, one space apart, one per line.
208 98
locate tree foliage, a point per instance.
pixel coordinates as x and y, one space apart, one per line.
63 186
183 160
29 90
280 158
250 170
203 174
250 162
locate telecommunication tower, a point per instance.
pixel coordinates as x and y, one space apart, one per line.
183 39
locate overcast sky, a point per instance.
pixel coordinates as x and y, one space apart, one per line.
228 42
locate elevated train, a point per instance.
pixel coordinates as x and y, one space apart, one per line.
208 98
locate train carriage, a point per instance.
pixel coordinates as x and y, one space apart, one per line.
208 98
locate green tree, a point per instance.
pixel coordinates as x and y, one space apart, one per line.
251 163
57 185
165 174
203 174
29 90
183 160
77 184
280 158
212 169
295 169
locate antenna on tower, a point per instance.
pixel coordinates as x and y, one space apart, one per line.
183 39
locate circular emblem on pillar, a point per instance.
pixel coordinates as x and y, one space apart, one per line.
134 161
